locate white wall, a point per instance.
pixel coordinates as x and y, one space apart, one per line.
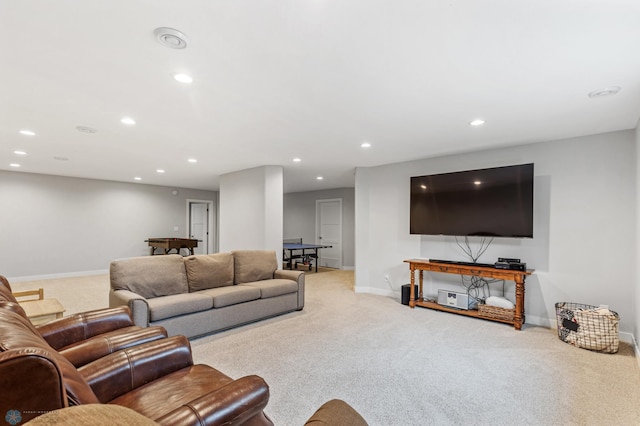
55 225
584 241
251 210
300 218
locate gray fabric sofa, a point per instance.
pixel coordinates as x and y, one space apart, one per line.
201 294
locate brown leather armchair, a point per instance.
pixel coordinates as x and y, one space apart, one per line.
156 378
87 336
332 413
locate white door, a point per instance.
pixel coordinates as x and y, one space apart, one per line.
199 226
329 232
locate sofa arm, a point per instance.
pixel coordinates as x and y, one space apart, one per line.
90 350
232 404
32 382
297 276
136 303
128 369
78 327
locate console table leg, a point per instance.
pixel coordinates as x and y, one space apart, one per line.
518 318
412 299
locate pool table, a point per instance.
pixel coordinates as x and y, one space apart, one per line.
168 244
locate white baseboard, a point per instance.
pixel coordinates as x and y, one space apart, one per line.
550 323
56 276
374 290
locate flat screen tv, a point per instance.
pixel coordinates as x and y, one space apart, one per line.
496 202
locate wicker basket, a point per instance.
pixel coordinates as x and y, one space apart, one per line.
495 312
587 327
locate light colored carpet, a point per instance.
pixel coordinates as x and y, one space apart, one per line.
401 366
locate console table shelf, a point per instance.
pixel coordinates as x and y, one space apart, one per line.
422 265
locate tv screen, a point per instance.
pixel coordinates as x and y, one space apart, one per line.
496 202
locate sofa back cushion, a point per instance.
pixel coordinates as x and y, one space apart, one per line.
205 271
150 276
254 265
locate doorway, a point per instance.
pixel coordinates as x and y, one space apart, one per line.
200 220
329 232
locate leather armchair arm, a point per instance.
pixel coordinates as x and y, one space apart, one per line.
232 404
32 382
82 326
121 372
104 344
336 412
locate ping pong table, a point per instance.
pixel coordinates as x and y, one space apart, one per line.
306 253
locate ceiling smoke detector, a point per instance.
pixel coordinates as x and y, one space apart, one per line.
607 91
171 38
85 129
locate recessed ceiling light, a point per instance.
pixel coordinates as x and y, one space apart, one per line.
85 129
365 145
160 171
171 38
607 91
19 153
128 121
27 132
297 160
477 122
16 165
183 78
137 178
477 182
319 178
192 160
423 186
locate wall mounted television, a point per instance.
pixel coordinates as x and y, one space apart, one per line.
495 202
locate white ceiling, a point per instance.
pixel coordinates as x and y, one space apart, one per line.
278 79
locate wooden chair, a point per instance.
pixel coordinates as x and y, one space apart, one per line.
38 308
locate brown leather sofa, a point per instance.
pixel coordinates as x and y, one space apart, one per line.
87 336
156 378
332 413
98 368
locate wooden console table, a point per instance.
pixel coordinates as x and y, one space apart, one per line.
518 277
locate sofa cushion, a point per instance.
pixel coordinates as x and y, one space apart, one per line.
178 304
150 276
254 265
231 295
206 271
273 288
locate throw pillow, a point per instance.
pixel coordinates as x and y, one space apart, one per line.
209 270
254 265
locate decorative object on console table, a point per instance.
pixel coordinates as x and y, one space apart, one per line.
517 276
495 312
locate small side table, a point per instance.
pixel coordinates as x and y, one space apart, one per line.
39 310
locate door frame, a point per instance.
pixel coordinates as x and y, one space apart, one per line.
318 217
210 220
